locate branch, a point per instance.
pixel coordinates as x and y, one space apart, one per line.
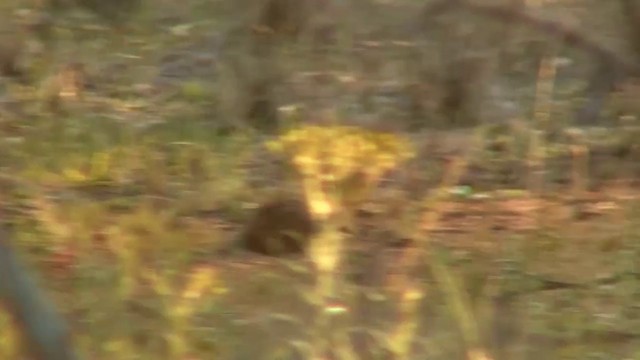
570 36
44 330
566 34
612 67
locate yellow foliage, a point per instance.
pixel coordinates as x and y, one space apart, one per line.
342 161
339 151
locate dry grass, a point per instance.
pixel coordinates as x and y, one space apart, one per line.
509 234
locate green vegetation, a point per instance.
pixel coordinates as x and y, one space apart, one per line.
462 200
